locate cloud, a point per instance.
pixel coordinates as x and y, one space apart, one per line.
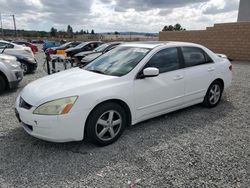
117 15
226 6
145 5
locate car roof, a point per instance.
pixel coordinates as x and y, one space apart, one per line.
154 44
4 41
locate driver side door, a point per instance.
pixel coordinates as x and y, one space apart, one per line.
158 95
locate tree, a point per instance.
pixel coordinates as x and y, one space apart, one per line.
117 33
176 27
87 32
92 32
81 32
70 31
53 32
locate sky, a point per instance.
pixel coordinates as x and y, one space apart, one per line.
117 15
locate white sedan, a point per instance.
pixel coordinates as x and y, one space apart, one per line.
10 48
130 84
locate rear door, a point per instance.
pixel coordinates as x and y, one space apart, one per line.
199 73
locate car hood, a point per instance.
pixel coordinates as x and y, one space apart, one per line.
7 57
91 57
84 53
64 84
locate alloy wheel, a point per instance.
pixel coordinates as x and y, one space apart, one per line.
214 94
108 125
24 67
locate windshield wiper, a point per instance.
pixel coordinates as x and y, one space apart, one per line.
97 71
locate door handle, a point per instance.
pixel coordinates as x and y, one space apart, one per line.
178 77
211 69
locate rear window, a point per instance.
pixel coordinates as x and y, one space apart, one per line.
194 56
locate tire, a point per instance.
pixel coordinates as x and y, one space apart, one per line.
213 95
2 84
100 127
25 67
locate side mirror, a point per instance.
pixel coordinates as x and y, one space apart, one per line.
150 72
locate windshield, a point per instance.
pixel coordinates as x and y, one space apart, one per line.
65 45
101 48
118 62
81 45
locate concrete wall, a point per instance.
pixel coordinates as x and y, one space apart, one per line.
244 11
232 39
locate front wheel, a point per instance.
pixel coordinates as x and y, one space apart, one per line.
106 124
213 95
25 68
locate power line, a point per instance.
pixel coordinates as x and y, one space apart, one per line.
1 21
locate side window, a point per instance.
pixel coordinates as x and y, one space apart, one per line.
2 45
88 47
195 56
10 46
165 60
97 44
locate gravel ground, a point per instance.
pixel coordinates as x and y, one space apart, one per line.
194 147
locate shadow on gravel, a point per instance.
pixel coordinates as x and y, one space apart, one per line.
27 160
8 92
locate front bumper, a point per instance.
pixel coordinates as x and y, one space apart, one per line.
15 78
32 66
59 128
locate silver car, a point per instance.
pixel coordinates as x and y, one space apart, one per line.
10 72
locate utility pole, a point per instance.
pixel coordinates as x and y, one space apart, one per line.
1 22
14 21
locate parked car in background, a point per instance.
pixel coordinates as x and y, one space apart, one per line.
37 41
10 72
28 64
10 48
85 46
84 58
32 46
50 44
127 85
61 49
101 49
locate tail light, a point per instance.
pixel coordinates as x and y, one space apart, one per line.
51 51
231 67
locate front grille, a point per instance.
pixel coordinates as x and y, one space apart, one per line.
23 104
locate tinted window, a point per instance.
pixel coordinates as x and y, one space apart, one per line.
195 56
165 60
2 45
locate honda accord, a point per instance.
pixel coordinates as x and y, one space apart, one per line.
132 83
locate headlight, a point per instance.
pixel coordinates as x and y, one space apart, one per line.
56 107
14 64
32 60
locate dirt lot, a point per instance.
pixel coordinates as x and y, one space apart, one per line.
194 147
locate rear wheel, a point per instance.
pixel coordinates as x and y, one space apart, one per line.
213 95
2 84
106 124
